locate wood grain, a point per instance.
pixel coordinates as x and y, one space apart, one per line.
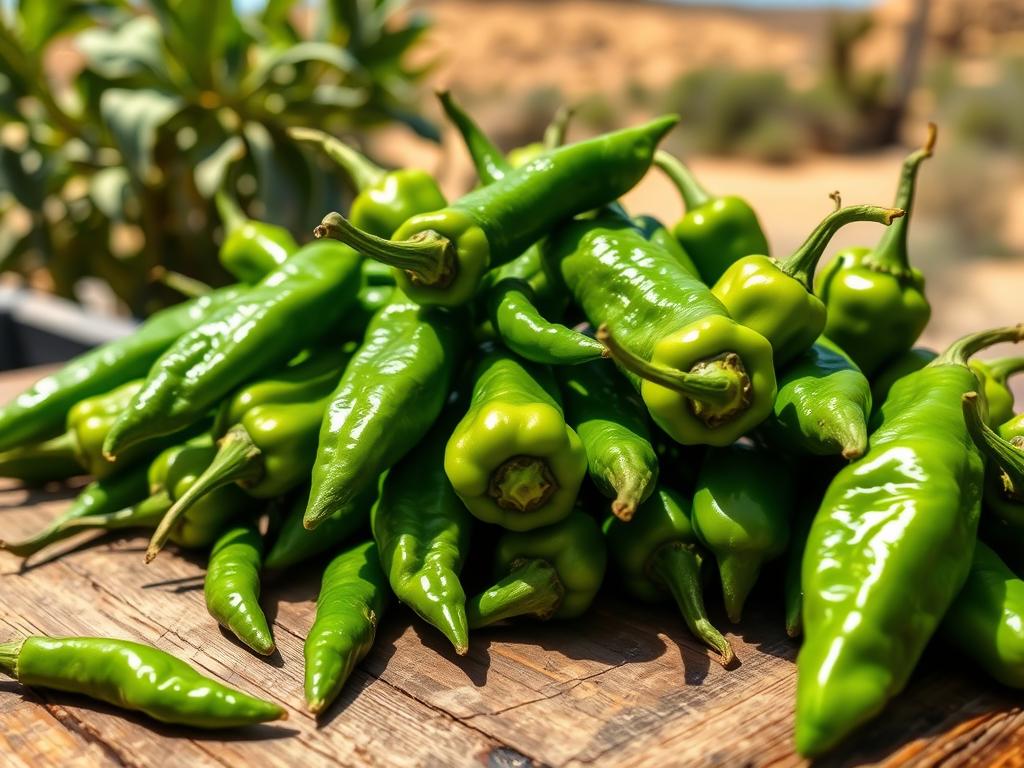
625 685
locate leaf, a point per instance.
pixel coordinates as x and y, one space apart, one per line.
134 48
324 53
41 21
23 174
134 119
209 172
205 36
110 190
340 96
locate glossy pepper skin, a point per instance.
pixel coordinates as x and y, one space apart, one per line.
290 308
774 297
444 254
993 376
715 232
823 405
902 365
658 555
44 462
391 393
40 411
658 234
232 587
352 598
250 249
703 377
384 199
547 573
512 459
741 509
876 302
611 421
133 676
905 513
422 531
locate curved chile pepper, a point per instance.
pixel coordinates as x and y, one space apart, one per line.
444 254
296 544
37 463
490 163
251 249
611 422
658 554
291 307
703 377
876 302
352 598
390 395
512 459
905 513
902 365
774 297
658 234
232 587
133 676
823 405
993 376
741 511
547 573
715 232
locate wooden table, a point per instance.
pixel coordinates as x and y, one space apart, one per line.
625 686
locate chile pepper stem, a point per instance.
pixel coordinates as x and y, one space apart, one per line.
677 567
554 134
230 211
531 588
187 286
60 448
522 483
428 257
1006 456
147 513
961 350
491 164
891 252
238 459
9 653
1005 367
693 193
360 169
801 265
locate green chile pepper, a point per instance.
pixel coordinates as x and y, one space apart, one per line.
823 405
251 249
658 554
547 573
876 302
741 511
993 375
133 676
37 463
611 422
352 598
291 307
512 459
715 231
658 234
232 587
902 365
906 513
444 254
490 163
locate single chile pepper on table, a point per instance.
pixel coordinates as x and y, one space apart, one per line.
43 462
775 299
40 411
512 459
906 513
289 309
993 376
611 422
547 573
703 377
902 365
352 598
823 405
250 249
422 531
659 555
232 587
389 396
741 510
715 231
876 302
444 254
133 676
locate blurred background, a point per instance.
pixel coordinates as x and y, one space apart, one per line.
121 119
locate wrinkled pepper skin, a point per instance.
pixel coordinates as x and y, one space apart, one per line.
133 676
232 587
658 555
443 255
40 411
611 422
876 301
672 333
352 597
715 232
391 393
512 459
250 249
290 308
741 510
906 513
993 376
422 531
297 544
902 365
823 405
986 620
547 573
37 463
